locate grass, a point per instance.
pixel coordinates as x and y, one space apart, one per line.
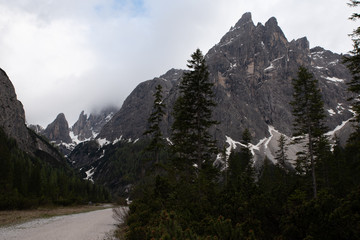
19 216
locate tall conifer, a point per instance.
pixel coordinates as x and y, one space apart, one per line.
353 64
281 155
308 111
193 116
154 121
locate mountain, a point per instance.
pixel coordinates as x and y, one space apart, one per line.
58 131
84 129
36 128
87 127
252 68
12 115
130 121
12 122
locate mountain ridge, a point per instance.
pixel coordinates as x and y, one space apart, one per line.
251 66
12 121
85 128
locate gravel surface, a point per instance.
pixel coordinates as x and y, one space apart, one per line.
96 225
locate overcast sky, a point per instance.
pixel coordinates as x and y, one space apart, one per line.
72 55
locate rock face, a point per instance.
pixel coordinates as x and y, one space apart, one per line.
58 130
84 129
87 127
12 115
252 68
12 121
130 121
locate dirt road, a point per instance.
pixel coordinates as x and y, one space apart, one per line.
96 225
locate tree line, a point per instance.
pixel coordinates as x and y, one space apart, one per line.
28 182
188 195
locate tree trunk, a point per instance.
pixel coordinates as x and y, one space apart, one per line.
312 162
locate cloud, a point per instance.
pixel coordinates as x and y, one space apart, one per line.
73 55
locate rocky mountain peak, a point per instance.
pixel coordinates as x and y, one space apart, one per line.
58 130
12 115
303 43
246 19
252 68
87 127
12 121
272 23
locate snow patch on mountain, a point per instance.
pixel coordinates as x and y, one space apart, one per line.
262 147
89 174
333 79
117 140
102 142
331 112
333 132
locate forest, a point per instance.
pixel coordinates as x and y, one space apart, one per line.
28 182
186 194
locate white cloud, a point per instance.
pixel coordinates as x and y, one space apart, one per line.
69 55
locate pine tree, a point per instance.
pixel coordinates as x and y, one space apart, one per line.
241 169
154 121
308 112
353 64
192 117
281 155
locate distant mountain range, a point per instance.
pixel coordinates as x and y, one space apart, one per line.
251 67
84 129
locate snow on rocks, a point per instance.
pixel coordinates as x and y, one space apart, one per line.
89 174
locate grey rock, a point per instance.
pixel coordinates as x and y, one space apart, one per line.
58 130
252 68
130 122
12 115
87 127
12 121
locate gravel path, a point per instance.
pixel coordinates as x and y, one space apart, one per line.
96 225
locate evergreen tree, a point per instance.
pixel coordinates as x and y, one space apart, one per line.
154 121
353 64
281 155
241 171
308 112
192 117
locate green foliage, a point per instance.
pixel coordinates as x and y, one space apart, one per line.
154 121
353 64
309 117
27 181
281 156
192 116
184 201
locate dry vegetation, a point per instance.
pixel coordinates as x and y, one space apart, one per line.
120 214
20 216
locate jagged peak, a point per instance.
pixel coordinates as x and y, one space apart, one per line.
245 19
272 22
60 116
317 49
302 43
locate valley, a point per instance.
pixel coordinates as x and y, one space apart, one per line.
257 139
